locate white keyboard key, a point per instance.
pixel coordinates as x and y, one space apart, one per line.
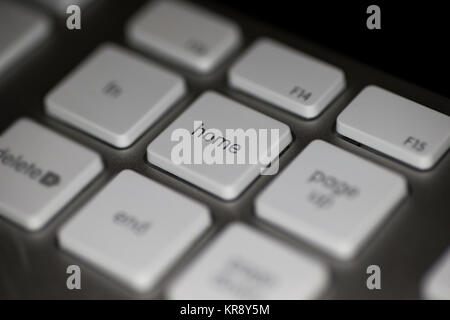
396 126
185 33
21 29
40 171
114 95
331 198
436 285
60 6
206 122
135 229
287 78
245 264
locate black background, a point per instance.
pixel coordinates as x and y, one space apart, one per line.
412 44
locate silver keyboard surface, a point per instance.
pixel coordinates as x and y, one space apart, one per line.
87 176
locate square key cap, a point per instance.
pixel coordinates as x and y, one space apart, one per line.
135 229
396 126
288 78
185 33
331 198
115 95
244 264
199 147
40 171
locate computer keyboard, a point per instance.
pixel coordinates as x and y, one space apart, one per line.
359 169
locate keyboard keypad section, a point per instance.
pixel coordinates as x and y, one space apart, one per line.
245 264
135 229
436 284
197 147
40 171
287 78
115 95
198 39
396 126
331 198
21 29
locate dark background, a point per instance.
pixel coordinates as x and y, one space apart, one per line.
413 42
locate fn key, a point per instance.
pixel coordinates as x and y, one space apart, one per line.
40 171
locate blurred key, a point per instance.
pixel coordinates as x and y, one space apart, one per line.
40 171
396 126
114 95
244 264
135 229
60 6
332 198
436 284
21 29
185 33
287 78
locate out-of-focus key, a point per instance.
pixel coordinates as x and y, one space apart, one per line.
436 284
219 145
114 95
185 33
396 126
60 6
331 198
134 229
287 78
40 171
21 29
245 264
